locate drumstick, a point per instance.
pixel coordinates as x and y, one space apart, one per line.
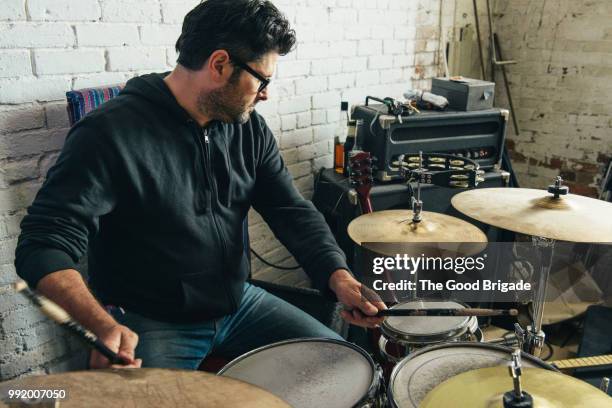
60 316
447 312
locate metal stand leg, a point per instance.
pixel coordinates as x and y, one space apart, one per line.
532 339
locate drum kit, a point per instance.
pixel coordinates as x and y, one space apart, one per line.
443 361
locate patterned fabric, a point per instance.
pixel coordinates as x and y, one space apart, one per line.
83 101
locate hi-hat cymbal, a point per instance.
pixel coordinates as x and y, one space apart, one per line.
484 388
393 232
535 212
148 387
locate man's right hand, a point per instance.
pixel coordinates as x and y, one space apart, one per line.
119 339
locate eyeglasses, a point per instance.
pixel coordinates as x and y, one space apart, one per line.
264 81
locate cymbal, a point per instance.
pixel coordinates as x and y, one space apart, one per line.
393 232
484 388
148 387
534 212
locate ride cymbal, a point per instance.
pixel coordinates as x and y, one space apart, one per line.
534 212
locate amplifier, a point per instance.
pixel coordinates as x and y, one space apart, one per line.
336 200
477 135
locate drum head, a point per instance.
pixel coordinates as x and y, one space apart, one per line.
438 327
416 375
308 372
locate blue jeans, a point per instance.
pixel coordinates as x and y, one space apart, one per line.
261 319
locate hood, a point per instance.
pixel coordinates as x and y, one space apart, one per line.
153 88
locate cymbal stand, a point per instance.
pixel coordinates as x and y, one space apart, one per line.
417 204
531 340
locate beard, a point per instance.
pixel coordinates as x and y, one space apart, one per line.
226 104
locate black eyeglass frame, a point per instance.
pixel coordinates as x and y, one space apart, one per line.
264 81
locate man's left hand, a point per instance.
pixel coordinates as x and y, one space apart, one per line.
351 293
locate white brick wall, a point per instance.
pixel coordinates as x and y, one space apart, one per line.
346 49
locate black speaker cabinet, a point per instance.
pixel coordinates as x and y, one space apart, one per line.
337 201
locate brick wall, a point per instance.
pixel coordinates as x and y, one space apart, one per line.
561 86
346 49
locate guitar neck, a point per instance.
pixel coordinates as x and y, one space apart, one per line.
583 362
366 204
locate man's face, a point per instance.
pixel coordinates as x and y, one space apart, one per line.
234 102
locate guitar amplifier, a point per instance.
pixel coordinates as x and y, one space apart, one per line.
337 201
477 135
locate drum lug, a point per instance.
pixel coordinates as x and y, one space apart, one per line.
382 345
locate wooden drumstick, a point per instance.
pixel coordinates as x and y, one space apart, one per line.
447 312
60 316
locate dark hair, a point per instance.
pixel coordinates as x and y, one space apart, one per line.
247 29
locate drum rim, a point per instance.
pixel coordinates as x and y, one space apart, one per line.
498 347
375 384
436 337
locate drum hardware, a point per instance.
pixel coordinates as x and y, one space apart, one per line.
448 312
408 334
517 398
605 383
312 372
547 218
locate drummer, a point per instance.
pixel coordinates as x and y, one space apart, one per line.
157 184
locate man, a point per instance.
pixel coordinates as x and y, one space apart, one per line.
157 183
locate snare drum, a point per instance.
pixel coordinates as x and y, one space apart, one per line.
414 332
420 372
312 373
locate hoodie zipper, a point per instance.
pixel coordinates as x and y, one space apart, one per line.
214 201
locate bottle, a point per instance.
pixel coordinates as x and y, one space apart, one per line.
348 144
339 143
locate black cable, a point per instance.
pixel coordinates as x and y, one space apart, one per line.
285 268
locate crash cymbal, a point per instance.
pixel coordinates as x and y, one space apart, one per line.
393 232
147 387
484 388
535 212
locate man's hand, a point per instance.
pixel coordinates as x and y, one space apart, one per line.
360 301
119 339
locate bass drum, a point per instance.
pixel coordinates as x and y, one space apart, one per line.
420 372
312 373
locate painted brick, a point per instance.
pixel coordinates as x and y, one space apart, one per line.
294 105
312 51
50 62
13 10
8 275
394 46
318 116
171 56
369 47
343 48
300 169
333 115
380 62
17 171
25 143
18 118
310 85
15 63
324 132
29 89
174 11
342 81
328 32
165 34
309 15
325 100
106 34
28 35
354 64
288 69
323 162
312 151
288 122
99 79
64 10
367 78
130 59
296 138
304 119
138 11
329 66
343 16
57 115
357 32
